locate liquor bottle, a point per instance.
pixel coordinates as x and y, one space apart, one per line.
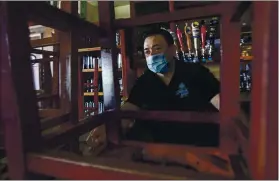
84 62
241 81
93 62
87 85
119 61
117 37
120 84
212 36
188 35
91 85
196 37
90 62
99 62
85 107
203 40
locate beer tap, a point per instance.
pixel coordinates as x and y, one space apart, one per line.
188 35
196 36
212 34
179 36
178 50
203 40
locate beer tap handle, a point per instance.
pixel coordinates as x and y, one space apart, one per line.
179 36
203 34
203 39
188 34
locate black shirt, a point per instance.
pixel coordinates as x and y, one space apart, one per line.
190 89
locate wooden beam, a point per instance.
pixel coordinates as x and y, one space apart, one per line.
240 10
176 116
47 15
263 138
53 121
21 121
45 52
70 131
184 14
111 86
229 73
88 168
44 42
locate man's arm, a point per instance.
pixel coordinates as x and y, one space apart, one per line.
210 86
128 123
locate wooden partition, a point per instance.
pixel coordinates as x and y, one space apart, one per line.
28 149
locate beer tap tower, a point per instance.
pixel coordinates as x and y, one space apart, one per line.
245 147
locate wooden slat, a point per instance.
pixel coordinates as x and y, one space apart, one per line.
50 122
42 60
70 132
263 147
184 14
44 42
46 96
88 168
178 116
44 52
49 112
18 99
110 81
240 10
47 15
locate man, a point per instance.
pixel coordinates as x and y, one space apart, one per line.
171 84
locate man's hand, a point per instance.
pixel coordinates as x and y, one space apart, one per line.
98 135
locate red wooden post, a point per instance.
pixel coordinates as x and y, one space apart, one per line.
263 148
171 9
111 87
18 98
96 87
230 62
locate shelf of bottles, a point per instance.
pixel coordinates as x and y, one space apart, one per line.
91 64
246 62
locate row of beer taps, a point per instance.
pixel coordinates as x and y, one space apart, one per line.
200 40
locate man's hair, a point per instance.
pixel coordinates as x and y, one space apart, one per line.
160 31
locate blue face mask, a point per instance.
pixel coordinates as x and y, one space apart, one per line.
157 63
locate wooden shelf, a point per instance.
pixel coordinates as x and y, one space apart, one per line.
92 49
44 42
183 14
89 49
92 93
246 58
91 70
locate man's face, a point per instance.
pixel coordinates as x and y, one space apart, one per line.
157 44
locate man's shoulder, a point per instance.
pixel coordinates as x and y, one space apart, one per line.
144 77
190 68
